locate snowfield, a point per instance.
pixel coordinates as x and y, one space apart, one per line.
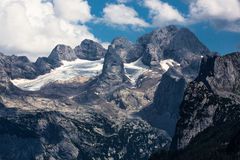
168 63
85 68
79 67
134 70
65 72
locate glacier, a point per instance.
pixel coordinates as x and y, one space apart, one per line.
77 68
67 71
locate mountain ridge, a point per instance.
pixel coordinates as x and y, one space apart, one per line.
125 102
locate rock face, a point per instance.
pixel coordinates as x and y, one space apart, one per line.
167 79
216 88
73 131
62 52
17 67
20 66
170 42
90 50
209 114
4 80
128 51
113 73
226 75
181 46
44 65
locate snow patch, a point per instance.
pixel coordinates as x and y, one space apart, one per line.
134 70
168 63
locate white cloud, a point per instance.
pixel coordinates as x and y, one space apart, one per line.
119 14
124 1
162 13
32 28
215 9
73 10
220 13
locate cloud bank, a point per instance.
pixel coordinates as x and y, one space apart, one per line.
73 10
120 14
33 28
162 13
222 14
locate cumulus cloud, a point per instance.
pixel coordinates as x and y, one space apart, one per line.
120 14
215 9
222 14
33 28
124 1
73 10
233 26
162 13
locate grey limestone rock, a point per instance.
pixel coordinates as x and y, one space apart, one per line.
90 50
62 52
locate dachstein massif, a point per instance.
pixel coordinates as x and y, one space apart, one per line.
167 96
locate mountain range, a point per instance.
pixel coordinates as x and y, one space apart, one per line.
167 96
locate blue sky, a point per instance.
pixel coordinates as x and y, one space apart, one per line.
216 39
35 27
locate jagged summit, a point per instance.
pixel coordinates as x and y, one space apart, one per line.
215 92
62 52
158 35
127 50
121 42
90 50
170 42
113 68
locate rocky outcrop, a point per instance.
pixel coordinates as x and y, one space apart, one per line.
62 52
208 127
44 65
197 112
170 42
21 67
113 73
183 48
154 44
226 79
4 80
216 88
129 99
43 128
128 51
169 94
164 110
90 50
17 67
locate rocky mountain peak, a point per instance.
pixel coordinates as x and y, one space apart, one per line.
90 50
128 51
170 43
226 74
214 94
113 68
159 36
62 52
185 39
44 65
121 42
